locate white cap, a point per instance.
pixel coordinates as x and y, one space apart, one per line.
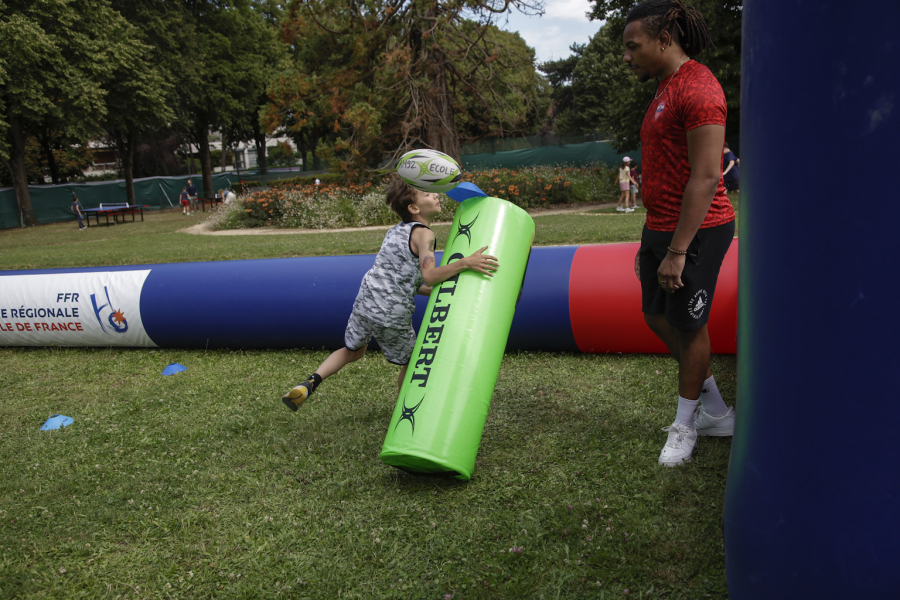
626 159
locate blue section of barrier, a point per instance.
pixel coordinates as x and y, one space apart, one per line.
542 318
305 302
811 500
269 303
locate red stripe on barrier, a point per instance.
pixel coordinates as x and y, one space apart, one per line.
605 303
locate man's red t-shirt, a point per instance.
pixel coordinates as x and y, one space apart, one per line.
693 98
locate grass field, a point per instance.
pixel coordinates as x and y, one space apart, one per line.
204 485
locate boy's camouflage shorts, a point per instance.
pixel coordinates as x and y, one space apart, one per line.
396 344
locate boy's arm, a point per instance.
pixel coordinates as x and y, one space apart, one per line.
422 243
424 290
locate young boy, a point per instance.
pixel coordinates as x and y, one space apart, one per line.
384 305
185 200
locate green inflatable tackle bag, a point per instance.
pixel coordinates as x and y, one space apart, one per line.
443 403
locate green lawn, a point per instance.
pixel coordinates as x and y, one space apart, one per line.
203 484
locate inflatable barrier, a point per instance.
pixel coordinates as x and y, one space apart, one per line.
443 402
574 299
811 504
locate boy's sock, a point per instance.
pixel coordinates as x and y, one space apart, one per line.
711 399
685 414
316 379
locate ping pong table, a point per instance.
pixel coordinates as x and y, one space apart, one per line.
116 211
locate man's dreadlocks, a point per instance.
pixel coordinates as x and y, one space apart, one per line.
684 23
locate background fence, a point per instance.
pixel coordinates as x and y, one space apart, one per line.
52 203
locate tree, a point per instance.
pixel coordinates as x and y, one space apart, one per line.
607 97
229 52
398 73
138 95
57 54
560 74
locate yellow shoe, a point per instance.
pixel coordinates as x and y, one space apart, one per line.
297 396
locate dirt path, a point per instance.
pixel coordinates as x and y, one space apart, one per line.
202 228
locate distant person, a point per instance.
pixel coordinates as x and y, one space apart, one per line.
635 186
76 208
227 197
317 181
185 200
624 178
731 170
384 306
192 194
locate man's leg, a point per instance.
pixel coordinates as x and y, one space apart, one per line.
693 361
664 331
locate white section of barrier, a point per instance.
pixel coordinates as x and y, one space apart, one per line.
73 309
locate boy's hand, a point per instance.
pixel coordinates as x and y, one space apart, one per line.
481 262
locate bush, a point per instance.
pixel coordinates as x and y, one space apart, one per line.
535 187
320 207
297 202
325 178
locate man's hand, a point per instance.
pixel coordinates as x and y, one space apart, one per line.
637 265
669 272
481 262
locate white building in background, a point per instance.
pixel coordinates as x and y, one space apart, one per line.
106 159
245 155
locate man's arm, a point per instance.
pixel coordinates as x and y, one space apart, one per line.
422 243
704 155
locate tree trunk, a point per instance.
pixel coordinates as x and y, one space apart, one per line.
205 161
302 150
51 159
438 123
125 144
259 138
224 161
18 172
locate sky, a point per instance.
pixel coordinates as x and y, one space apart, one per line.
564 22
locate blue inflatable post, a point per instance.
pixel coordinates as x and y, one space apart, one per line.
811 508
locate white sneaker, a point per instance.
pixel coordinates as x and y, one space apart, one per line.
629 210
620 209
706 424
680 445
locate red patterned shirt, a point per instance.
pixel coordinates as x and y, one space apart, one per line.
693 98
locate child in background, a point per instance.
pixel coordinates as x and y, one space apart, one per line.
384 305
635 187
185 200
624 178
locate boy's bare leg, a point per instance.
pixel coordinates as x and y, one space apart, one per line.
401 377
339 359
336 361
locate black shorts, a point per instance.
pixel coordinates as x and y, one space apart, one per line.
688 307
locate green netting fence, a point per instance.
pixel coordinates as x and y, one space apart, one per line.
573 155
52 203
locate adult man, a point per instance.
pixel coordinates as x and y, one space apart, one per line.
731 170
192 195
76 208
690 222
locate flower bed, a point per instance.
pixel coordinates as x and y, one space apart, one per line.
332 206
